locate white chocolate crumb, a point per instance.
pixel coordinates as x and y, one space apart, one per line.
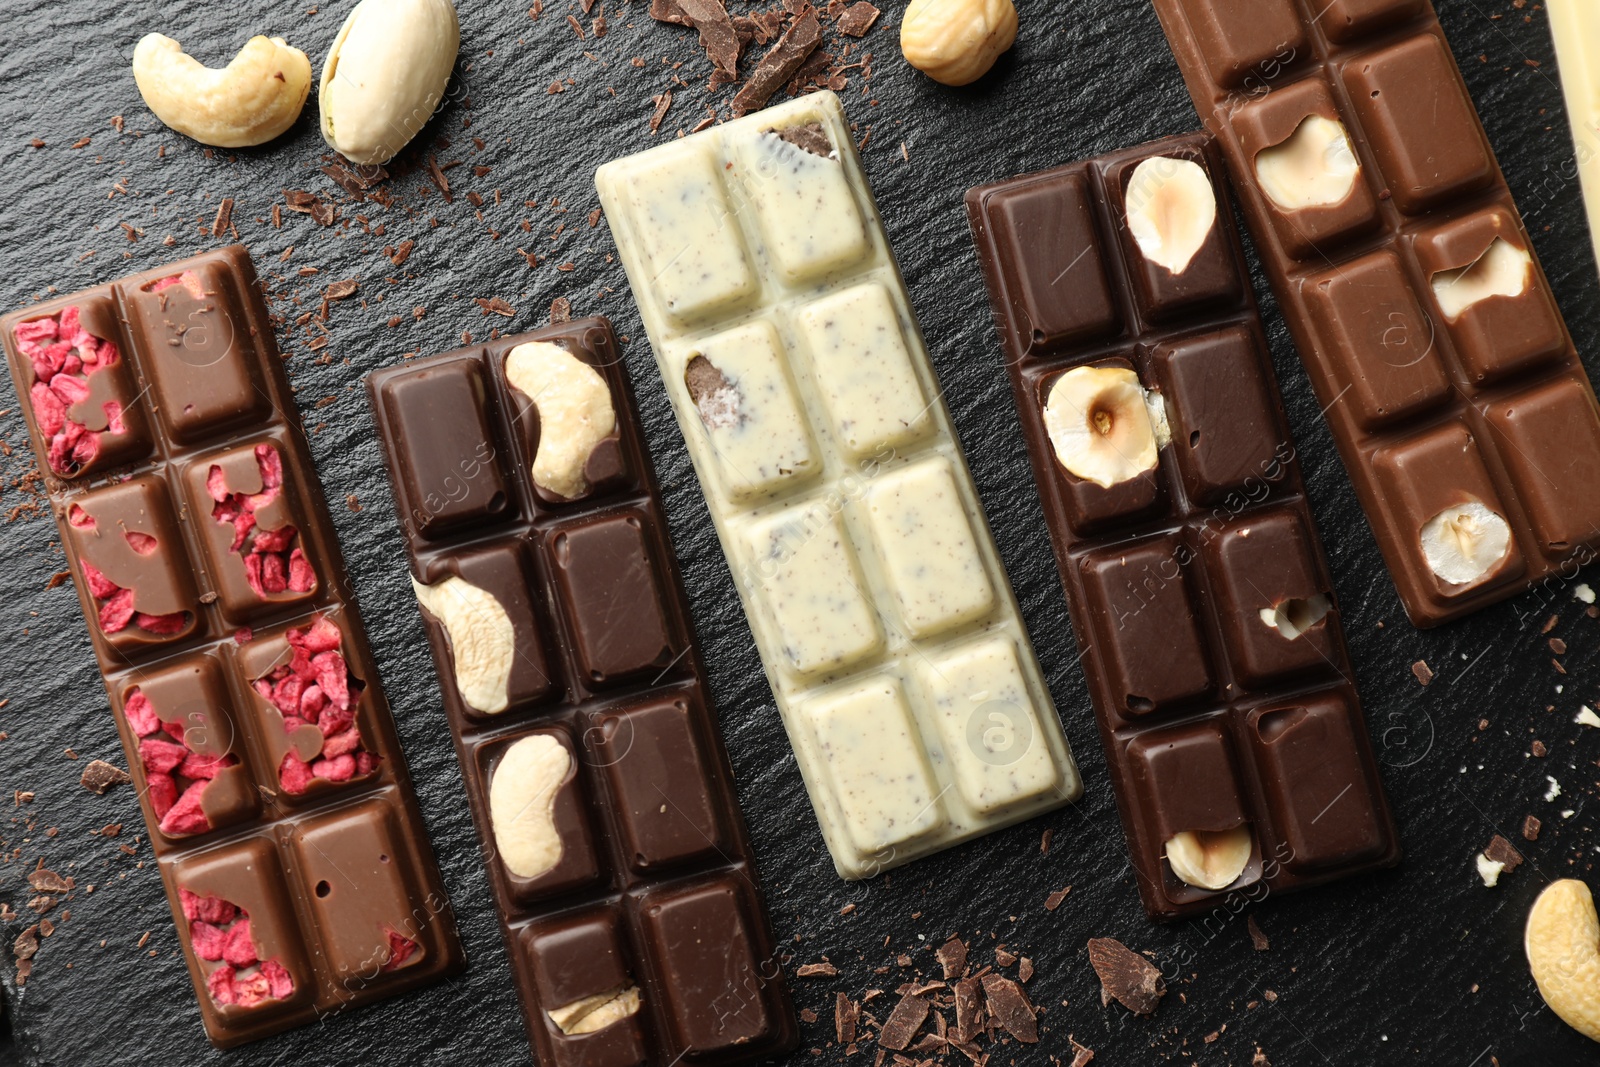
1587 717
1489 870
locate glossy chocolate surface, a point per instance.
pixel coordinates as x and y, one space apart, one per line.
653 887
1396 371
294 857
1212 719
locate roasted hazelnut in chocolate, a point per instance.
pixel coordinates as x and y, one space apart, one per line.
1199 592
276 796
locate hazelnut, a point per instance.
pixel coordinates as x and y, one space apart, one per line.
1210 859
955 42
1171 210
1465 543
1103 425
1315 167
1502 270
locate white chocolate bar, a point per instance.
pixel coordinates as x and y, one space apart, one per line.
908 686
1575 27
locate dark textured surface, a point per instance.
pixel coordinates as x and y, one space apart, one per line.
1423 964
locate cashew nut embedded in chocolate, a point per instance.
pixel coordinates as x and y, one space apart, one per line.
590 1014
575 412
522 800
249 102
482 640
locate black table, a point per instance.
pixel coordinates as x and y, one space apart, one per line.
1423 964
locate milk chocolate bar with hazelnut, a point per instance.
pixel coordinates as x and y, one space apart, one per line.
620 864
264 754
1199 592
1451 385
786 342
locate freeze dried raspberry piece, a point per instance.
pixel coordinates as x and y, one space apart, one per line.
401 950
116 603
219 932
64 355
316 688
273 562
176 775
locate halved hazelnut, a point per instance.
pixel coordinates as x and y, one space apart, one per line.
1171 210
1210 859
1315 167
1466 542
1502 270
590 1014
1292 618
1104 426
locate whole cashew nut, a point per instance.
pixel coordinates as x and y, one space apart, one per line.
1563 946
249 102
386 74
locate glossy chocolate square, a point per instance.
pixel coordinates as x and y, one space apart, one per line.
571 959
570 815
1419 122
1347 20
1267 122
1378 343
1238 37
1212 274
606 574
1549 439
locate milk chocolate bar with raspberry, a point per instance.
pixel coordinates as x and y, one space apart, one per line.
278 803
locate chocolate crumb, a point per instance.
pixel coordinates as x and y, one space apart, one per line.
352 502
1558 646
494 306
58 578
1260 1059
100 776
560 311
224 219
846 1016
1257 938
402 253
1538 748
1499 850
817 970
807 1015
662 101
1081 1054
47 881
857 19
952 956
1422 671
969 1010
904 1022
111 829
1010 1006
1053 901
779 64
1126 976
809 138
1044 842
1004 958
1530 828
342 290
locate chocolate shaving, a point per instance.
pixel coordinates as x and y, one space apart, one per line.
26 944
1025 970
342 290
224 219
846 1017
494 306
969 1010
1081 1054
1010 1006
662 101
436 173
952 956
1125 976
779 64
669 11
1500 850
1423 672
817 970
1257 938
808 138
904 1022
717 35
100 776
403 252
560 311
857 19
1530 828
323 214
1053 901
46 881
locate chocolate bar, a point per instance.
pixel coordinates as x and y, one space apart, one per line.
887 628
273 787
573 687
1575 30
1199 592
1450 383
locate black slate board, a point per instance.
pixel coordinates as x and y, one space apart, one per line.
1423 964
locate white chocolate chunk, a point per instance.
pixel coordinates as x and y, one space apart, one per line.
1465 543
990 732
806 575
483 643
522 801
575 412
1490 870
863 370
1171 210
793 190
1502 270
1315 167
696 256
872 758
592 1014
927 548
739 387
1099 422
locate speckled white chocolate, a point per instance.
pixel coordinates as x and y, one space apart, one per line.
894 646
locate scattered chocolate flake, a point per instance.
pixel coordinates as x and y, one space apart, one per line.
342 290
1530 828
224 219
969 1010
352 502
47 881
577 27
809 138
599 26
807 1015
1422 671
1005 957
494 306
857 19
1025 970
717 35
100 776
111 829
1053 901
669 11
1260 1059
82 142
1081 1054
817 970
1044 842
846 1016
1125 976
779 64
1558 646
1257 938
1010 1006
1538 748
1501 851
59 578
560 311
904 1022
323 213
594 218
41 904
952 956
662 101
403 252
436 172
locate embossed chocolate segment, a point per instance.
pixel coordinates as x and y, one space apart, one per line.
578 965
605 573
